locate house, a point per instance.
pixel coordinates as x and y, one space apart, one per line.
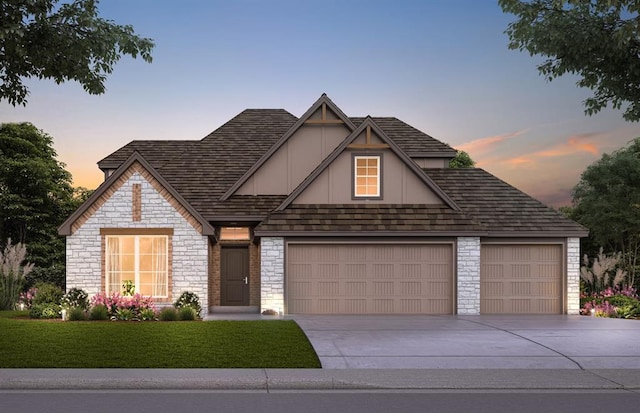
324 213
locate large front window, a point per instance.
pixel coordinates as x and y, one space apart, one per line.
367 176
142 259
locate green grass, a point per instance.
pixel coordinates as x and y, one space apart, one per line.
28 343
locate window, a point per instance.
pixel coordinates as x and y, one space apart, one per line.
142 259
235 233
367 177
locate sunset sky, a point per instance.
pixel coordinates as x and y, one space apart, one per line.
441 66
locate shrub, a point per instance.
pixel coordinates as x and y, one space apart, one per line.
75 298
187 314
12 274
168 314
27 297
99 312
76 314
269 311
631 310
115 302
189 299
47 294
44 310
148 314
124 314
54 275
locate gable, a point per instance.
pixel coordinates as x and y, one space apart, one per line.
294 160
135 170
281 169
333 180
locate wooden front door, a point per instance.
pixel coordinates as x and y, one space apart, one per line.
234 276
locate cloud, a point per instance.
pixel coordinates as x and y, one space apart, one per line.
575 144
483 145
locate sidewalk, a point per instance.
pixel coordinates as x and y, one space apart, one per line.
321 379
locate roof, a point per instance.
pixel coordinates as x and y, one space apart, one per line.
361 219
412 141
202 171
503 209
157 153
203 174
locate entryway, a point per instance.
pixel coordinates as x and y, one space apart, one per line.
234 276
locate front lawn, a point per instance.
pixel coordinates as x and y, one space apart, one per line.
28 343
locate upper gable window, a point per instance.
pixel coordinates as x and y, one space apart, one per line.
367 176
235 233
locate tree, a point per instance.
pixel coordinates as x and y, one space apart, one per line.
598 40
35 193
41 39
462 160
607 201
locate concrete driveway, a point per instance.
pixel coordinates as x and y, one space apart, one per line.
470 342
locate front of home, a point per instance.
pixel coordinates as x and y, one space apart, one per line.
322 214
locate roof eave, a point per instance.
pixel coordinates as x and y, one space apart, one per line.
304 233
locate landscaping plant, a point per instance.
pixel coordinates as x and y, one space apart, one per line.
120 307
191 300
75 298
12 273
168 314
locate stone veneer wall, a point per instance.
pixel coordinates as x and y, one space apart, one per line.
468 253
573 276
189 264
272 274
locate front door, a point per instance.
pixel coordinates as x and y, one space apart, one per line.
234 276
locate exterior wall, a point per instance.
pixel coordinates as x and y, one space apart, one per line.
294 160
573 276
272 274
400 185
468 252
189 258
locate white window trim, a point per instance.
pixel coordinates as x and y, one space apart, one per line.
378 158
136 261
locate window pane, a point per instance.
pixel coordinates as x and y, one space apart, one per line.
148 270
361 162
235 233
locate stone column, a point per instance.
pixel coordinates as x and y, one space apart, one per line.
573 276
468 275
272 274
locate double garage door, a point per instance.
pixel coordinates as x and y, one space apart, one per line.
419 279
370 279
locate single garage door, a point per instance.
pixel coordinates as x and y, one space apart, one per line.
521 279
369 279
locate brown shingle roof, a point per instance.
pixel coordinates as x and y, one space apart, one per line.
157 153
412 141
501 207
201 171
356 219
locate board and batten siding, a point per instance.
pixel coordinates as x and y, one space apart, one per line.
189 248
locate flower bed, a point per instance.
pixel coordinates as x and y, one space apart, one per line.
615 302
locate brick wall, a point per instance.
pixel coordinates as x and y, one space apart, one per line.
272 273
189 247
468 258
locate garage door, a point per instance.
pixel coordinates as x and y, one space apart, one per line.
521 279
369 279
